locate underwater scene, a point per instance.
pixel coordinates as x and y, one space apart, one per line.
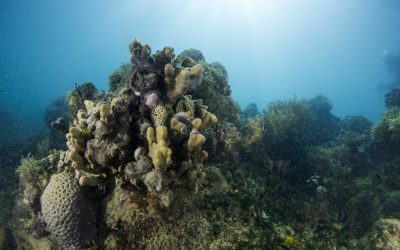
240 124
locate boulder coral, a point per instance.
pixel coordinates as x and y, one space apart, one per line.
69 214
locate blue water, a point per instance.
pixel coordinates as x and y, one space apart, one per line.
271 49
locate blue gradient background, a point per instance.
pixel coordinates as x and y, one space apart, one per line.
271 49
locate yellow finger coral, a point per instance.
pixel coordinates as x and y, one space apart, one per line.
208 119
195 138
177 126
181 80
159 152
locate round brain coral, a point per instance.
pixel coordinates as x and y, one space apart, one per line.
69 214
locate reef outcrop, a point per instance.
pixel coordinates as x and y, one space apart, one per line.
148 135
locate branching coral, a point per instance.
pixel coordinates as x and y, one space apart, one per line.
181 80
158 150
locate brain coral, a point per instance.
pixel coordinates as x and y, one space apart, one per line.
68 213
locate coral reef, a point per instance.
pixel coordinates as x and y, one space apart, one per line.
134 174
102 144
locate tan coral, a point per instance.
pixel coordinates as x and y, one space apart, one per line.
76 158
89 105
181 80
89 181
159 152
195 138
208 119
196 123
104 111
177 126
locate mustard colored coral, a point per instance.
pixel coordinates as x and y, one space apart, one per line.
181 80
159 152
